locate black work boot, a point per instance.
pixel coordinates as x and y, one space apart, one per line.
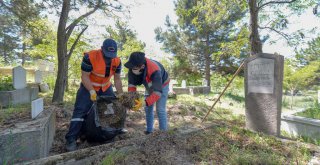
71 146
147 132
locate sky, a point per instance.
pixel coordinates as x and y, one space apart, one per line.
146 15
151 14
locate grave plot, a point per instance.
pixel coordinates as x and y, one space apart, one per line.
23 138
189 144
192 90
26 129
21 93
120 107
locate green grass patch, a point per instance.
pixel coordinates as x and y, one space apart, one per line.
235 97
113 158
297 102
6 83
313 113
301 138
234 145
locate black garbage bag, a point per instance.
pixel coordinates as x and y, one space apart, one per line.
92 129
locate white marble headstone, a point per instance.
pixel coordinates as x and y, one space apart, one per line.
19 77
184 84
36 107
38 76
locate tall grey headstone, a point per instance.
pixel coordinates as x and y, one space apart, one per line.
19 77
37 76
36 107
263 93
184 84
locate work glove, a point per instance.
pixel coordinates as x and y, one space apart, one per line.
93 95
139 103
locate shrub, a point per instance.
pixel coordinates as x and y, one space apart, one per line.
6 83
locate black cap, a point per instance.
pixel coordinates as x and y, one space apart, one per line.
135 59
109 48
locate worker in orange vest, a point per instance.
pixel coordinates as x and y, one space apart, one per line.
151 74
97 68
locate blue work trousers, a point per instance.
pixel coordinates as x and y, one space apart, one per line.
161 112
81 108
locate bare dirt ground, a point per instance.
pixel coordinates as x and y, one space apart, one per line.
8 120
135 124
225 143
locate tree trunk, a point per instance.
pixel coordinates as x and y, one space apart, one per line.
292 94
255 42
208 62
67 79
62 54
208 75
63 35
24 47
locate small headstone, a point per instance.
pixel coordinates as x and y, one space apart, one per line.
19 77
204 82
184 84
38 76
37 107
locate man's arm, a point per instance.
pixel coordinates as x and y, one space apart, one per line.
156 87
86 80
118 83
131 82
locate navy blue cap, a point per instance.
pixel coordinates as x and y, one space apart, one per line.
109 48
135 59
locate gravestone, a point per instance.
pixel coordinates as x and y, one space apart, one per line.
183 84
172 82
38 76
204 82
263 93
42 65
19 77
36 107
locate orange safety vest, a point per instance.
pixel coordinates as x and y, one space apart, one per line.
97 76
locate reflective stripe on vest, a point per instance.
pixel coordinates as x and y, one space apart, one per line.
99 75
100 85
